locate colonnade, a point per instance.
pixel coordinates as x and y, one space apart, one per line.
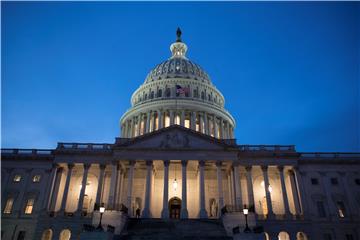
203 122
235 191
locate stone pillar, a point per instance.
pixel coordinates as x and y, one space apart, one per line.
202 213
226 130
172 117
220 186
294 192
139 124
284 192
238 193
80 204
126 133
112 192
117 185
120 188
100 184
184 212
250 189
160 119
55 191
49 186
146 211
206 124
154 114
130 184
132 132
165 210
221 129
267 192
147 129
193 121
230 188
66 188
201 119
182 118
216 127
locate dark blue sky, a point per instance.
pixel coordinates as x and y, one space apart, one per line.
289 71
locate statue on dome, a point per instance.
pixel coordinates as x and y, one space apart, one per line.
178 34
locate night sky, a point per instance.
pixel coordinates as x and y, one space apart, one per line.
289 71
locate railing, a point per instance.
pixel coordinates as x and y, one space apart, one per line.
235 208
329 155
269 148
17 151
84 146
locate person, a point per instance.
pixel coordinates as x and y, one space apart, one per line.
137 213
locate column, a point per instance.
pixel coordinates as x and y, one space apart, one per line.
120 186
50 186
126 129
216 132
130 183
184 212
294 192
139 124
111 200
154 114
250 187
182 118
100 184
267 192
220 186
80 204
226 130
237 182
117 185
146 211
202 213
221 128
147 129
284 192
160 119
230 188
67 185
172 117
132 132
55 191
193 121
206 125
165 210
200 123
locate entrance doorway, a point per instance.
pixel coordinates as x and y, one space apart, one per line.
175 207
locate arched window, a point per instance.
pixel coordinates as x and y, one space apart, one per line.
301 236
159 93
152 95
65 234
283 236
47 234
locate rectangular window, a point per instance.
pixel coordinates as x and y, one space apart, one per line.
341 209
314 181
321 209
349 237
29 206
17 178
8 205
334 181
327 236
36 178
21 235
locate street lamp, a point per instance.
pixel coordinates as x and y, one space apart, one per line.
246 212
101 210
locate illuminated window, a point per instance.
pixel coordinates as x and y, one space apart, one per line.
177 119
341 209
29 206
36 178
65 234
47 235
17 178
187 123
9 205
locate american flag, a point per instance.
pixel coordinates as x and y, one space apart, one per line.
182 90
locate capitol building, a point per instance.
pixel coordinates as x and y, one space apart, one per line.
176 165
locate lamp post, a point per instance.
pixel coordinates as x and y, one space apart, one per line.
101 210
246 212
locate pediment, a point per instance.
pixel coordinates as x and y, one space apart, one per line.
174 137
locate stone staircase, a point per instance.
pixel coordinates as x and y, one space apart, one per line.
187 229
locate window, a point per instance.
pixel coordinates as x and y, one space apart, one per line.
327 236
349 237
195 94
202 95
21 235
152 95
357 181
159 93
17 178
314 181
341 209
334 181
167 92
321 209
47 234
65 234
36 178
9 205
29 206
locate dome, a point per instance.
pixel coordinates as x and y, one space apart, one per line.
178 67
177 92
